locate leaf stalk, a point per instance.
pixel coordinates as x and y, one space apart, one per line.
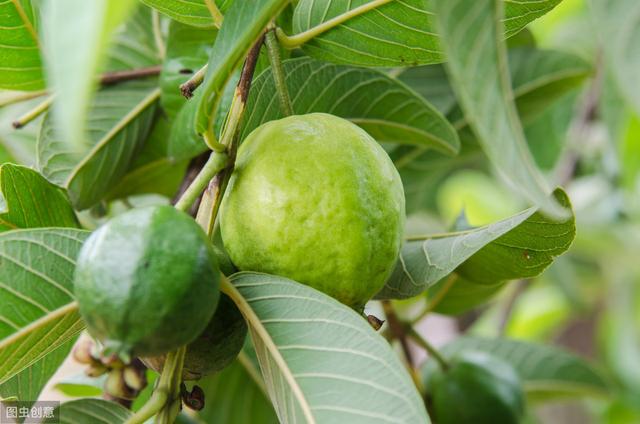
273 50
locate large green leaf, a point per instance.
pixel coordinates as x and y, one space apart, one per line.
471 35
233 397
544 370
518 247
21 67
28 200
78 35
243 25
381 105
28 383
321 361
95 411
119 120
193 12
399 33
37 310
618 22
188 49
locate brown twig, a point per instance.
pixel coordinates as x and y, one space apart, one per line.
397 330
109 78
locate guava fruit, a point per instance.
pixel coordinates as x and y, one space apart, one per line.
147 282
477 388
314 198
214 349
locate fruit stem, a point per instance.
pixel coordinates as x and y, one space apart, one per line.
33 113
422 342
440 295
293 41
216 162
166 393
273 50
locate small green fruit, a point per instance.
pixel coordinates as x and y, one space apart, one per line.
476 389
314 198
147 282
217 346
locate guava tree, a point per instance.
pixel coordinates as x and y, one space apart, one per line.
244 211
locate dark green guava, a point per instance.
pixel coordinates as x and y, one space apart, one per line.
214 349
477 388
314 198
147 282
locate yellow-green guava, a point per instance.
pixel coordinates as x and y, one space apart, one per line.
316 199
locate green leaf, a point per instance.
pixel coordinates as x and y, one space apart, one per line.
521 246
119 120
544 370
95 411
243 24
133 44
430 82
75 54
618 23
471 35
188 49
81 385
28 200
322 362
154 170
381 105
193 12
28 383
399 33
541 77
21 67
37 310
233 397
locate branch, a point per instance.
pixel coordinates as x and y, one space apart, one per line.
194 82
33 113
109 78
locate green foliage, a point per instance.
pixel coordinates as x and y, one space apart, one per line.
386 109
90 410
395 34
481 106
30 201
120 119
545 371
37 313
521 246
323 373
20 47
481 84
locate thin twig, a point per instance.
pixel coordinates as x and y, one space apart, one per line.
41 108
109 78
440 295
194 82
398 330
422 342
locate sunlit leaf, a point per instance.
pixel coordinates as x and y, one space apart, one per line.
20 63
37 310
28 200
